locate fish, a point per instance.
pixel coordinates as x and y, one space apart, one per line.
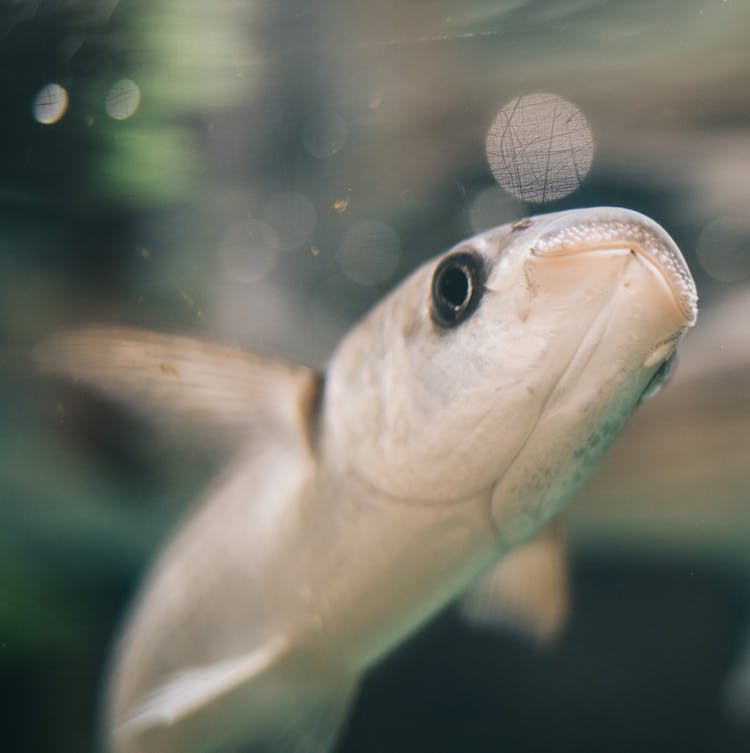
448 431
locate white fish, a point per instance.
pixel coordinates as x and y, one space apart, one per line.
452 424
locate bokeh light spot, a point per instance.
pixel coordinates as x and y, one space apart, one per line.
492 207
369 252
292 217
324 134
540 147
249 250
122 99
723 248
50 104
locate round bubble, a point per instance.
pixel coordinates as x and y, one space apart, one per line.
369 252
122 99
492 207
324 134
723 248
292 217
50 104
249 250
540 147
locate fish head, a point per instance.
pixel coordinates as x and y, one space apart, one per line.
511 361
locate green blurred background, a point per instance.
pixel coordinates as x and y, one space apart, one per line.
261 173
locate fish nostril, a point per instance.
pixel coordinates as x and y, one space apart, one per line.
521 225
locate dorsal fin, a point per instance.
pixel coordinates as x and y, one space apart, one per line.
184 382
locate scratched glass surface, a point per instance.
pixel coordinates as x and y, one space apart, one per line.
261 174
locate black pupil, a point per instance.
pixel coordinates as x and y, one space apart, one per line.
454 286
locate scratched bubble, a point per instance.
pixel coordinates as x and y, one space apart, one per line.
292 217
50 104
723 248
539 147
324 134
369 252
123 99
249 250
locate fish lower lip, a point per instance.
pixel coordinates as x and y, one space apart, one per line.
625 229
663 374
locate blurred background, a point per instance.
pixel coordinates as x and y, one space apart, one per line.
262 172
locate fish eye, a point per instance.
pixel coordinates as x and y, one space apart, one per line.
457 288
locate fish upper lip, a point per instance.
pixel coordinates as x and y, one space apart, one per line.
604 228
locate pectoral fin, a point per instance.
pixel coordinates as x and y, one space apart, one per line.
183 382
527 590
261 701
192 689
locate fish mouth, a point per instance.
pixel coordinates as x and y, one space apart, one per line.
603 229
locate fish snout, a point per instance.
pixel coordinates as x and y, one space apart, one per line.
616 231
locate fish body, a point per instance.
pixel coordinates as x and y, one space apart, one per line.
451 426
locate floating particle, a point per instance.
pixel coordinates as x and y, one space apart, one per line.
340 205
